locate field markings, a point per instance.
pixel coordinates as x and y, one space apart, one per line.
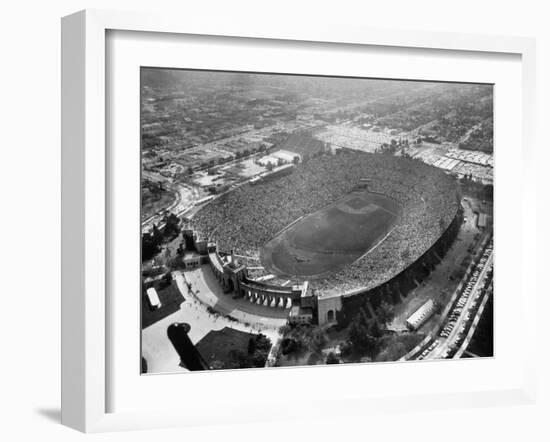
376 245
341 205
388 211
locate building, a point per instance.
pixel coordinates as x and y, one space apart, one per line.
481 220
327 306
300 315
191 260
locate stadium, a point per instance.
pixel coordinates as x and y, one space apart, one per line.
349 224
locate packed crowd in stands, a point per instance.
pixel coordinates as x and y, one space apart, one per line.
245 219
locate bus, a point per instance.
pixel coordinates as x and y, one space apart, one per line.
420 316
153 298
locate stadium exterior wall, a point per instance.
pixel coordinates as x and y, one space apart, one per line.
234 278
327 309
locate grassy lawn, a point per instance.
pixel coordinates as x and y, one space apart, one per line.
331 237
292 360
392 347
219 346
170 297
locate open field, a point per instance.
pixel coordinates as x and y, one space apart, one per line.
219 345
331 237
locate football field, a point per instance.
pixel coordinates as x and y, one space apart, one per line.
332 237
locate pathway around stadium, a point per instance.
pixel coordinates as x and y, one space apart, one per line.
207 289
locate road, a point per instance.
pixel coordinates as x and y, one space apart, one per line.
442 346
185 199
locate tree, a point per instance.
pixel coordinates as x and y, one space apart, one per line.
332 358
392 352
259 359
318 340
150 243
156 234
384 312
361 340
374 329
171 228
251 346
263 342
181 249
217 365
166 280
256 354
285 329
289 346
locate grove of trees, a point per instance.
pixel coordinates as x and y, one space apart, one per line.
151 242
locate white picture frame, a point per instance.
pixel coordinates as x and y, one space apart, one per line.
85 350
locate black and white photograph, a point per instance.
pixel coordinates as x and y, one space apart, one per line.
293 220
275 221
